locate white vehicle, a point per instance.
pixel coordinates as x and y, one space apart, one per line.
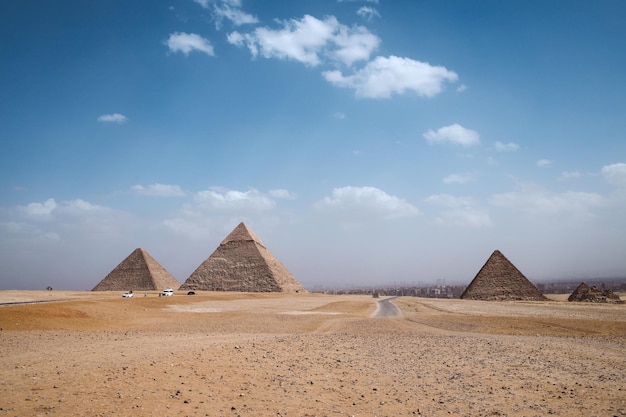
128 294
167 292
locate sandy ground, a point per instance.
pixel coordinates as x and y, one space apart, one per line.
229 354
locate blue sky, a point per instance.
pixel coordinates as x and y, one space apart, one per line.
365 142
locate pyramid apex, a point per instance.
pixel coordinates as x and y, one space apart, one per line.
242 233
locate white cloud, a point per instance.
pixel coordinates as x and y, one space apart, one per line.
80 207
233 200
51 221
464 217
364 202
455 134
459 211
339 115
383 77
567 175
193 228
213 210
534 200
228 9
615 174
283 194
188 42
353 44
459 178
461 88
367 12
24 231
40 209
506 147
233 13
159 190
112 118
447 200
66 208
544 163
308 40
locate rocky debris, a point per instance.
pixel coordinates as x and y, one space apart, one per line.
593 294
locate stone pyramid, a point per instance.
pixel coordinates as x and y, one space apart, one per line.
594 294
242 263
138 272
500 280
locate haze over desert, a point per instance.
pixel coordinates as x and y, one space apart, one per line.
245 354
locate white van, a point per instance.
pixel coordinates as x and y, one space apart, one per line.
167 292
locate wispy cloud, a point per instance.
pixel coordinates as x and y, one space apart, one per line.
112 118
229 10
159 190
454 134
459 178
568 175
52 220
283 194
214 210
544 163
235 15
368 13
366 202
219 199
506 147
535 200
459 211
188 42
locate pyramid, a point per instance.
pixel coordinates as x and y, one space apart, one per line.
242 263
500 280
138 272
594 295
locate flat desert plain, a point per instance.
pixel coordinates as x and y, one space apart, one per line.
238 354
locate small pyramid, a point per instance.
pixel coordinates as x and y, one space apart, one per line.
138 272
594 295
242 263
500 280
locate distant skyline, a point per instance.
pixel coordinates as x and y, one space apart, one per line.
364 142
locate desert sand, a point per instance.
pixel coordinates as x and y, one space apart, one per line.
236 354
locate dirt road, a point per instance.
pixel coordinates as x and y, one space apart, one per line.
387 309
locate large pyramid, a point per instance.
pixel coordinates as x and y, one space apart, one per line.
242 263
500 280
138 272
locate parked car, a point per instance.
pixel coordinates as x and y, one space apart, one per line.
128 294
191 293
167 292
